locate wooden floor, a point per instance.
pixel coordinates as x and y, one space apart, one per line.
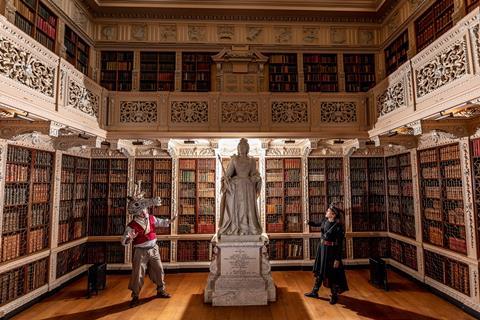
404 300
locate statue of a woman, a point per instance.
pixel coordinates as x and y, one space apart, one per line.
241 185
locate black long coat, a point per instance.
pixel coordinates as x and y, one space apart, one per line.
326 256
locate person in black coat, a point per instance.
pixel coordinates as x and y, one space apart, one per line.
328 267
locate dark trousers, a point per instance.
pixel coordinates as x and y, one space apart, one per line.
318 284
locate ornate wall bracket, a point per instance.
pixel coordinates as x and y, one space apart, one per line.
457 127
407 141
71 141
350 146
9 129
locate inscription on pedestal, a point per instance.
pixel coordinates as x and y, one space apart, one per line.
240 262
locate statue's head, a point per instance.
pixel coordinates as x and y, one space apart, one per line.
137 204
243 147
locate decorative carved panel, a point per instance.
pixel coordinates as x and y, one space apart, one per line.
138 111
189 112
391 99
446 67
23 67
240 112
338 112
82 99
290 112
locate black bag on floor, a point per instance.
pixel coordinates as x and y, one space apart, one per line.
378 273
97 278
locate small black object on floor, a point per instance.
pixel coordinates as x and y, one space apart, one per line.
97 278
378 272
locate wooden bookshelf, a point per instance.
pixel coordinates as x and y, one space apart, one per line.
320 72
35 19
401 214
78 52
116 70
156 177
434 22
449 272
73 210
108 197
471 4
285 249
193 250
404 253
282 72
359 72
367 177
196 193
71 259
105 252
18 282
164 247
196 71
325 186
283 188
396 53
157 71
475 155
442 197
26 216
364 248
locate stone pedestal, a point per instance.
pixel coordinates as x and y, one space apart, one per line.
240 273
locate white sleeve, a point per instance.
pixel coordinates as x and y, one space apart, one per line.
125 239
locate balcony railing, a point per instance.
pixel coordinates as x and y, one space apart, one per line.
443 75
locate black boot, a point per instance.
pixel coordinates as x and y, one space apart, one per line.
334 296
316 288
134 302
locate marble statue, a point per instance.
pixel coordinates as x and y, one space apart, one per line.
241 185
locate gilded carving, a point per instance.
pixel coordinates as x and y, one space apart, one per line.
283 34
338 112
168 33
289 112
310 34
138 111
197 33
23 67
253 33
391 99
225 33
82 99
239 112
446 67
189 112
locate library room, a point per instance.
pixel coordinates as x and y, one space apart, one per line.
239 160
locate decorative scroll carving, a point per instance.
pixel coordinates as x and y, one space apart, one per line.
106 153
109 32
139 32
239 112
72 141
391 99
23 67
138 111
225 33
446 67
197 33
189 112
310 34
476 35
82 99
282 151
289 112
196 152
467 190
338 112
369 151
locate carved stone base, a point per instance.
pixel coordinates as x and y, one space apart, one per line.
240 272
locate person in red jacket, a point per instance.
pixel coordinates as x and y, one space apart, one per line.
141 233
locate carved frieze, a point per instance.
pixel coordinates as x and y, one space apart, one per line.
366 37
82 99
23 67
391 99
253 33
239 112
338 112
435 138
338 35
225 33
283 34
168 33
310 34
290 112
109 32
138 111
196 152
106 153
476 36
189 112
282 151
139 32
449 65
197 33
80 18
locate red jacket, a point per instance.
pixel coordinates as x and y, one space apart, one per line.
141 236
